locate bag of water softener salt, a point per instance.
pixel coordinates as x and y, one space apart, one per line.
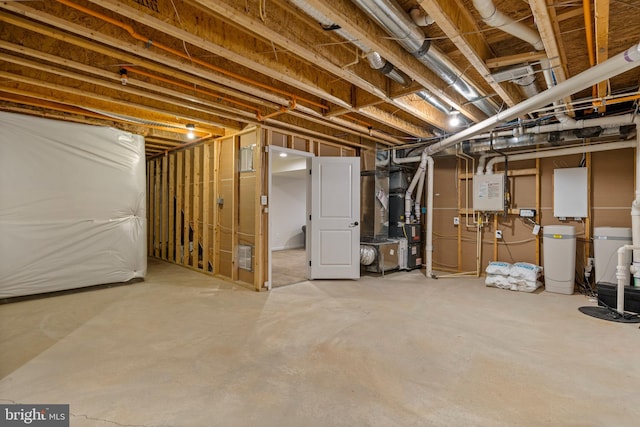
527 271
498 267
497 281
519 284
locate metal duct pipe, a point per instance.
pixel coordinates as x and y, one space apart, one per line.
385 67
390 16
494 18
607 146
428 97
615 65
375 60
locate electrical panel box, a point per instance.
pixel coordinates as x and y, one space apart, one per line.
570 193
488 193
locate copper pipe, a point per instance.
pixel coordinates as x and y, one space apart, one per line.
353 119
282 110
604 101
148 42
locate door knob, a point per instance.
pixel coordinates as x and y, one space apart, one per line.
353 224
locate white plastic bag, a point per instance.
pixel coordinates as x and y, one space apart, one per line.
526 271
497 281
498 267
523 285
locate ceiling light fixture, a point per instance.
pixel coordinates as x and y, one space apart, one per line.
283 154
454 118
190 128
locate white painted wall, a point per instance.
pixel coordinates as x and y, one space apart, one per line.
288 207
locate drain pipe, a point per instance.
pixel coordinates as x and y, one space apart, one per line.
615 65
621 273
429 219
495 18
429 231
416 204
635 212
557 152
407 196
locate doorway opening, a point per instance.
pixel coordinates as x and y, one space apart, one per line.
288 186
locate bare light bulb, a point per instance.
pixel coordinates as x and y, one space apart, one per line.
190 133
454 118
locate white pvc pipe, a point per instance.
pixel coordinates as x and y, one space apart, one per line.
618 64
429 231
635 206
481 161
416 204
621 274
419 18
412 186
494 18
559 152
429 220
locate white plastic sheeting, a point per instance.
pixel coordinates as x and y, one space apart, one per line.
72 205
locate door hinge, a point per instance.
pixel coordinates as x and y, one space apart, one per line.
309 263
309 217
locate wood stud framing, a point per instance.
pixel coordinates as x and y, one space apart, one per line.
201 207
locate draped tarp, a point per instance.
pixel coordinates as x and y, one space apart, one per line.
72 205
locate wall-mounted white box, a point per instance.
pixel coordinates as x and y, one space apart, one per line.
570 193
488 192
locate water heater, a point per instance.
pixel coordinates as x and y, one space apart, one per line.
488 192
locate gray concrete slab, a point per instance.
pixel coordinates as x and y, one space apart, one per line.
184 349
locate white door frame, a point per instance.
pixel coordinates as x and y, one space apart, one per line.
275 151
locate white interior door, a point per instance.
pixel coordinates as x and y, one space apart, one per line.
333 228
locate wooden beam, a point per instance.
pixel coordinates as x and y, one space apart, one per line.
571 13
218 37
180 251
157 209
206 208
114 48
458 24
186 215
164 207
602 43
380 115
172 207
351 19
519 58
151 202
197 185
544 17
59 29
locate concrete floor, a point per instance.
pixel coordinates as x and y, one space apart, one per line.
183 349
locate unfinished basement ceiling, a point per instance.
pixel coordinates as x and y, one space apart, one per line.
154 66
